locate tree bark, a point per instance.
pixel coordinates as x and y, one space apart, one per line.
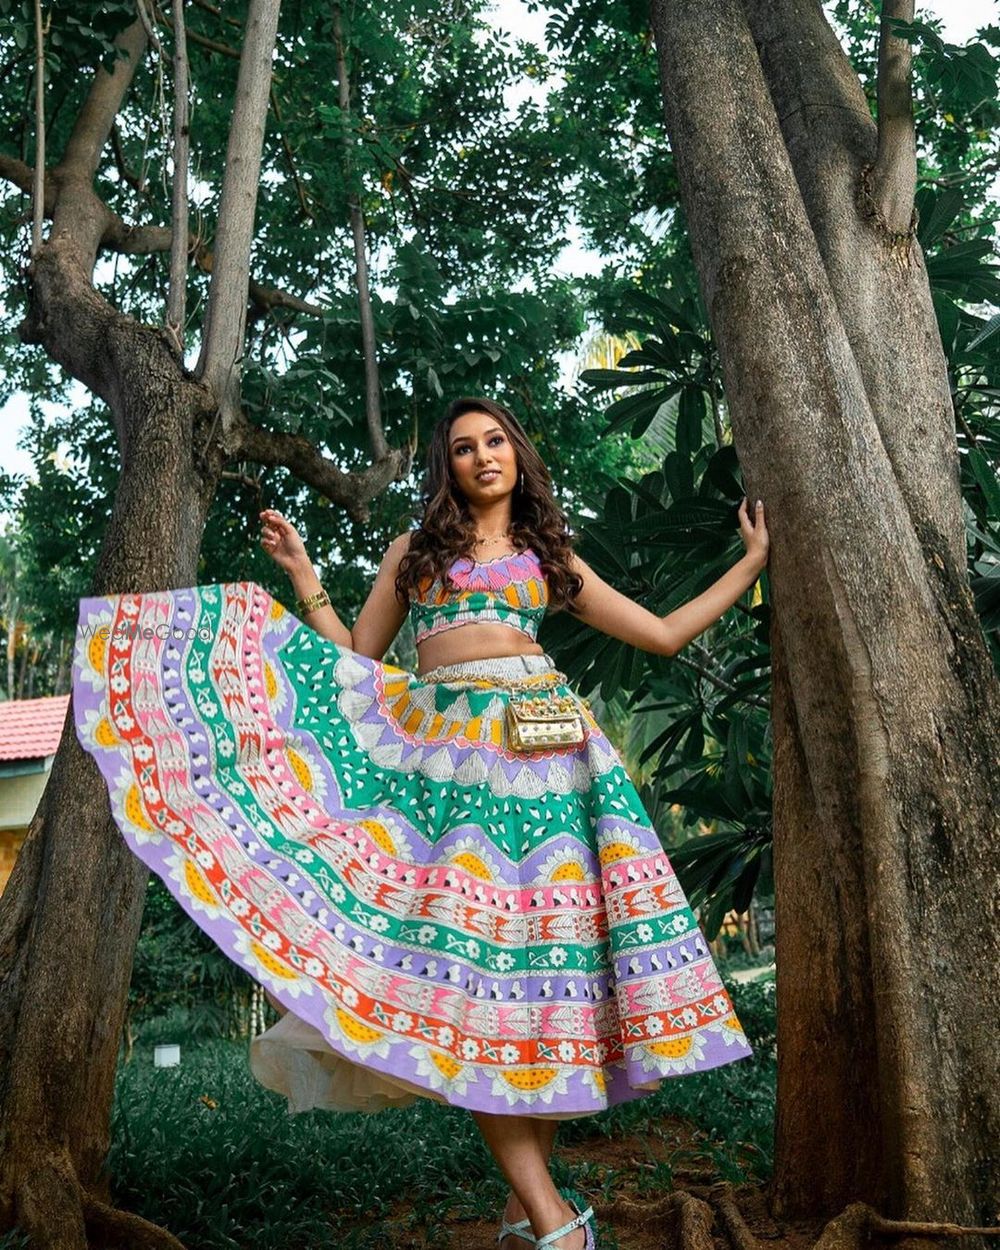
177 291
71 911
225 322
886 707
68 925
12 608
70 915
373 392
880 287
38 188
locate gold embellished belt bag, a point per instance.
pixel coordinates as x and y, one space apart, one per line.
533 723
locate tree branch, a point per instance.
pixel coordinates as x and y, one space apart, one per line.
252 482
70 197
895 174
76 324
64 312
825 118
224 49
177 295
23 177
134 180
150 29
77 210
145 240
269 297
95 119
286 147
703 667
38 183
352 491
225 318
216 12
373 406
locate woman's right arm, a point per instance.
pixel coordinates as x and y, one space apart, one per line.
378 621
281 541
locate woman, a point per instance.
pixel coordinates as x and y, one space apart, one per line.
445 878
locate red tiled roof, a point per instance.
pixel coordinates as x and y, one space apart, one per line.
30 728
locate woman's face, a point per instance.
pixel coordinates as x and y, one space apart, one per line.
482 457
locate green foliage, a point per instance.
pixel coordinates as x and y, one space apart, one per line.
205 1151
967 73
79 33
957 125
464 211
65 511
964 274
677 357
183 987
723 872
606 118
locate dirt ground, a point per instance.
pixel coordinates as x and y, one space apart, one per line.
631 1183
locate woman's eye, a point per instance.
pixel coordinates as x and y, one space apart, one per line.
491 441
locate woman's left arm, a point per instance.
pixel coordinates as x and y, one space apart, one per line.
603 607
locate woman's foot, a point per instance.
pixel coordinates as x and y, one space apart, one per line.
578 1238
514 1216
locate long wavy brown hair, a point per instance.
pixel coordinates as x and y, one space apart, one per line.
447 530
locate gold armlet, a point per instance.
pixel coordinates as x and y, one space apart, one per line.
311 602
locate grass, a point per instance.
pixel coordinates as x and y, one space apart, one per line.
208 1153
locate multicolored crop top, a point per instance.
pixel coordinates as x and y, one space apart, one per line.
509 590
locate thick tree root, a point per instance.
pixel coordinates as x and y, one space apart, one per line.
48 1207
694 1219
731 1218
57 1214
687 1219
110 1228
857 1223
752 1201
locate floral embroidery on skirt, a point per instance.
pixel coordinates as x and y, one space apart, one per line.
440 916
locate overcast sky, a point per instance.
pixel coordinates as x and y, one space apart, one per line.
961 18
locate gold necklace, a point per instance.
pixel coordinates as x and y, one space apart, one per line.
493 538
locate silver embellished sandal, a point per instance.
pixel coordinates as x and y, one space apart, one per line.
579 1218
522 1229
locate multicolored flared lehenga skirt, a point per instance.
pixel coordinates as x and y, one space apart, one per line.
439 916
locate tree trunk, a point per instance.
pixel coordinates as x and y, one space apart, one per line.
23 666
13 607
886 707
71 912
62 678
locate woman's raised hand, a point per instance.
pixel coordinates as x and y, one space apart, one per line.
754 532
280 539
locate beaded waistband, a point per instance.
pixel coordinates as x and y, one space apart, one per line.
502 668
